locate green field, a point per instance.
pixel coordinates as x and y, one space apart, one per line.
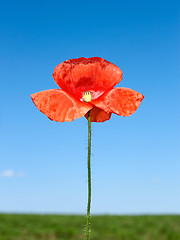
61 227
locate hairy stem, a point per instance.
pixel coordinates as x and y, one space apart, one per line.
89 176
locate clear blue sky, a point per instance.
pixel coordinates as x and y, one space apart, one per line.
135 160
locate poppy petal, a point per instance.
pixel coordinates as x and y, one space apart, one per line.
98 115
95 74
59 106
122 101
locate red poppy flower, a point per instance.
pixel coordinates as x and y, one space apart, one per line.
87 84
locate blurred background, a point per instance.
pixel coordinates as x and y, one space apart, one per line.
135 160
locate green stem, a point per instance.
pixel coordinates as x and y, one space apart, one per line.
89 176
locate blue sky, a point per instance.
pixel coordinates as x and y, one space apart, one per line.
135 160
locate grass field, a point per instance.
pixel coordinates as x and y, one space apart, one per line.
61 227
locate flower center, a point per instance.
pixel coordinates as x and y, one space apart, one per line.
87 96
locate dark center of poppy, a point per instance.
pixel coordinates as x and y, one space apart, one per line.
87 96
